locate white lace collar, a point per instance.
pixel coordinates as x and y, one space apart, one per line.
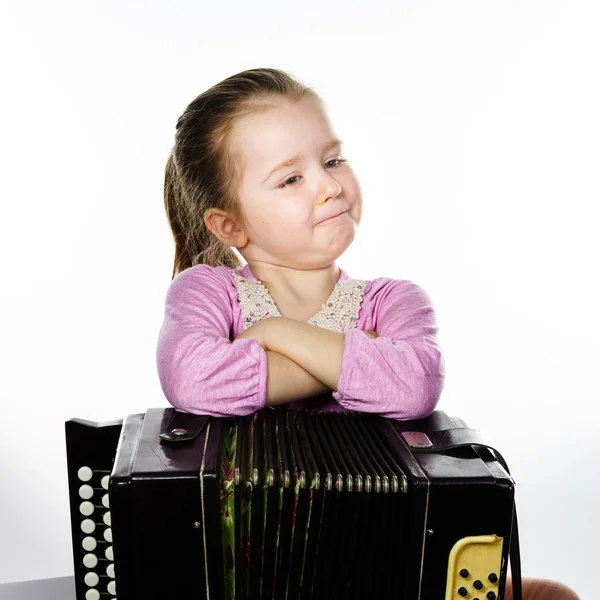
338 313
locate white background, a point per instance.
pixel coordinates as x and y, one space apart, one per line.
473 127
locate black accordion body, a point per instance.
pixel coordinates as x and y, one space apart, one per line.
286 504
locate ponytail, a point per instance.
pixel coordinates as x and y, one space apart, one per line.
194 242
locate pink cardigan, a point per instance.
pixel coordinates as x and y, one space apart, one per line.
399 375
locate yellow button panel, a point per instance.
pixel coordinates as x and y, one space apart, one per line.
474 568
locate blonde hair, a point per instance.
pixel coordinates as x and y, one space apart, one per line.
203 170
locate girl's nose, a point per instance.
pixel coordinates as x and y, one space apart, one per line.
330 188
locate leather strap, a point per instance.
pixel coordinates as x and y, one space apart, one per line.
447 439
183 427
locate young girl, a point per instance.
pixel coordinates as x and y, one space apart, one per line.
257 166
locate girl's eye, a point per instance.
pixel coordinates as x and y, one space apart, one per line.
338 160
286 184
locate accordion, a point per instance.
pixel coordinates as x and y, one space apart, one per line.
288 504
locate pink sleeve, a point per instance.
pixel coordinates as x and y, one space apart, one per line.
200 370
400 374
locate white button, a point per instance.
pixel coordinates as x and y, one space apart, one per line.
108 534
105 500
106 518
91 579
86 491
111 587
86 508
90 560
89 543
109 553
87 526
92 595
105 481
110 570
85 473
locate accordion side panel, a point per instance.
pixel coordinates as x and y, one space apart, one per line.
470 494
158 512
481 506
120 480
90 449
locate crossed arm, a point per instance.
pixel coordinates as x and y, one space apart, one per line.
303 360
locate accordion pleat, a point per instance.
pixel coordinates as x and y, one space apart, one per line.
306 511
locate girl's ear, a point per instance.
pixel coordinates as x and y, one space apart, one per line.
225 227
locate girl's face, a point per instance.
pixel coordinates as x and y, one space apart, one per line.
285 206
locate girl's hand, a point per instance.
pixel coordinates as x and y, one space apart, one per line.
371 334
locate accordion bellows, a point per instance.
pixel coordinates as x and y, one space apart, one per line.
304 507
293 505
